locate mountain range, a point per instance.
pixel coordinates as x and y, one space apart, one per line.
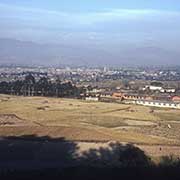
32 53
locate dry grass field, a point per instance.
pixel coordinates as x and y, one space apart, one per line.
88 121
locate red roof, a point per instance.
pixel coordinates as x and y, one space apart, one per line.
176 98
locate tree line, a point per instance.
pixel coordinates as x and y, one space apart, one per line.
42 87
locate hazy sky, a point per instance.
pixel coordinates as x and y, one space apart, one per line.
103 24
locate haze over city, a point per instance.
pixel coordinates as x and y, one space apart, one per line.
111 33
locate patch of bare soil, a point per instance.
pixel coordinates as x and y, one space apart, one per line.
139 123
116 110
43 108
162 129
161 150
152 150
12 120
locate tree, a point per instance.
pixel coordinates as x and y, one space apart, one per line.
155 83
43 86
28 85
4 87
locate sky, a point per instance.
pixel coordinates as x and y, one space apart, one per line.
109 25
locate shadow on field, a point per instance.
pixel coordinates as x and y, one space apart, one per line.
38 150
30 157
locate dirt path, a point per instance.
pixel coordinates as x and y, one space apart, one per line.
161 150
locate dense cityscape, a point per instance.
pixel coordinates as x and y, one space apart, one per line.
144 86
84 74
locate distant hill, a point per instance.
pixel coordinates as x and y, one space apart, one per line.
31 53
28 53
15 51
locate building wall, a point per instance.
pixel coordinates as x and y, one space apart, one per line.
130 97
91 98
168 90
118 95
155 88
159 104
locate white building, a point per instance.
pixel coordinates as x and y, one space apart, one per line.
153 103
170 90
160 89
90 98
154 88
